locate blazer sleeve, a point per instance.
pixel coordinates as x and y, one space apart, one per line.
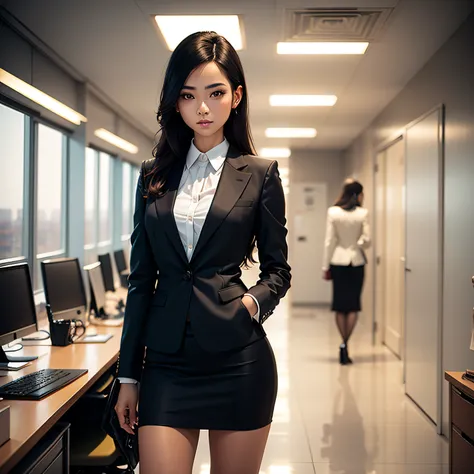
329 242
274 279
364 241
141 286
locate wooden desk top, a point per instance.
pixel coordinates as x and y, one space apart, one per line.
30 420
456 379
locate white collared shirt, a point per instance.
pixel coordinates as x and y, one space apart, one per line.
201 175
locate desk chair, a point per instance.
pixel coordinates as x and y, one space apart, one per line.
91 449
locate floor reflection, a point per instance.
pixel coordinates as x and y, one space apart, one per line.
346 432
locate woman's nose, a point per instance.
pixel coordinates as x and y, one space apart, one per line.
203 109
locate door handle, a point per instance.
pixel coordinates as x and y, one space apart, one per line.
408 270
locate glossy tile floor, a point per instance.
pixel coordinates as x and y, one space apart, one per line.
340 420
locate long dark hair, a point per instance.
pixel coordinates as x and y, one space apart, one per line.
195 50
349 198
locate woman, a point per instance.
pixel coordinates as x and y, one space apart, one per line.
347 235
199 211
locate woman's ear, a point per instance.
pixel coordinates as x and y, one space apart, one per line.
238 93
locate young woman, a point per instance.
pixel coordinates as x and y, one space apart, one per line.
347 235
200 209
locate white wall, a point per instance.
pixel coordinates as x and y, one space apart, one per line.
319 167
447 78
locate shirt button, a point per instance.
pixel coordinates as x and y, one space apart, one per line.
190 246
190 218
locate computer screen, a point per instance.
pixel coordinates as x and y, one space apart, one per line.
94 274
120 260
17 305
107 273
64 287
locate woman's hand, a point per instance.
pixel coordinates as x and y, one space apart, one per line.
250 304
126 407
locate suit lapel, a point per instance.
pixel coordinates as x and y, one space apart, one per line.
231 186
164 208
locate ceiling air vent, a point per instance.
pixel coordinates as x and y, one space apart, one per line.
341 24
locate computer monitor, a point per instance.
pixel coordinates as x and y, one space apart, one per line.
64 288
120 260
107 273
96 284
119 256
17 308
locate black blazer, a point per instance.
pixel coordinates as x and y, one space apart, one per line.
164 288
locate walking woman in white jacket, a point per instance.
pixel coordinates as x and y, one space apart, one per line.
347 235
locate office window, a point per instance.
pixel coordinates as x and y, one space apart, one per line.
105 193
51 202
90 221
126 200
12 171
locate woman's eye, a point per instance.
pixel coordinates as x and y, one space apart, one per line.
186 96
217 93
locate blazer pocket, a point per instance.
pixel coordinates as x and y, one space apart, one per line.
244 203
159 299
232 292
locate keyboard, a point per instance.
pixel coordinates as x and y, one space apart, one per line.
38 385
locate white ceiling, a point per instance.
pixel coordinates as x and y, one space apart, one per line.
115 45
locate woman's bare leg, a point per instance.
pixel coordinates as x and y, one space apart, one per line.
237 452
165 450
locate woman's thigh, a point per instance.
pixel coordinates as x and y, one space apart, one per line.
237 452
165 450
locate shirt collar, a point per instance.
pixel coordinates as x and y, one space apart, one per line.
216 156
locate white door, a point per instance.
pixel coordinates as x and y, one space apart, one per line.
309 209
394 246
379 241
424 257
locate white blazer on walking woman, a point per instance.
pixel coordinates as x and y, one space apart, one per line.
347 235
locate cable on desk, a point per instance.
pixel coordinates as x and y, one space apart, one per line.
14 350
37 338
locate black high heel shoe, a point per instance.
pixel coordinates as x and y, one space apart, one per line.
344 358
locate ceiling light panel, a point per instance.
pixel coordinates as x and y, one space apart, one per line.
302 100
290 132
275 152
322 47
175 28
41 98
115 140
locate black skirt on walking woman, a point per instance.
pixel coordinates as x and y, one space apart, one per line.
347 284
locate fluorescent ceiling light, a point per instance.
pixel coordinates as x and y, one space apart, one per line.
303 100
290 132
283 172
175 28
275 152
322 48
115 140
41 98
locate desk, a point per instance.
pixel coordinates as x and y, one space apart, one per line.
461 415
31 420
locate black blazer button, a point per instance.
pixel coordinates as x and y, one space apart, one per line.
187 276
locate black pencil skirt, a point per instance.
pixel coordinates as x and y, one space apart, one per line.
194 389
347 284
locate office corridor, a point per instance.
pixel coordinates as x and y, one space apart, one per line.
345 420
